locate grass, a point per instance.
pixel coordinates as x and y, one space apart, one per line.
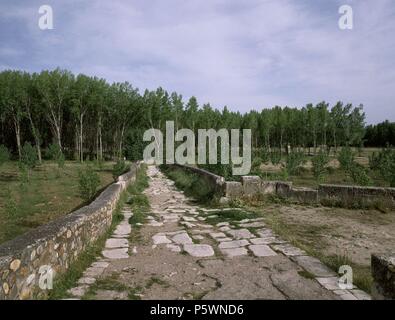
111 283
68 280
305 177
138 202
192 185
362 276
155 280
50 193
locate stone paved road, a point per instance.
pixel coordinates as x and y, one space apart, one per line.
179 254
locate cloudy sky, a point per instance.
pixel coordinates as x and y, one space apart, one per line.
246 54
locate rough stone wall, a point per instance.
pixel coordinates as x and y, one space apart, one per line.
216 182
353 194
254 185
26 261
383 272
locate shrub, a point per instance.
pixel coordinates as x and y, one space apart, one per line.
29 156
359 175
293 162
384 162
28 160
346 158
4 155
89 182
54 153
256 163
118 169
275 157
263 154
320 163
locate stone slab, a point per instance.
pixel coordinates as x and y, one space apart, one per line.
199 250
313 266
261 250
116 254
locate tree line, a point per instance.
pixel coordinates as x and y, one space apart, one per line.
380 135
87 117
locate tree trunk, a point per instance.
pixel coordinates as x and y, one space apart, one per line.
18 137
58 136
121 141
100 139
81 142
77 147
36 137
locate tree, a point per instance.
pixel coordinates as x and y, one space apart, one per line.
54 88
32 107
81 92
10 84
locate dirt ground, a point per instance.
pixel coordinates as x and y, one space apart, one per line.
335 231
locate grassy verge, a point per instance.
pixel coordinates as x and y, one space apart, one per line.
49 194
138 201
69 279
192 185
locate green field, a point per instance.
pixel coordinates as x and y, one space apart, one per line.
335 174
50 193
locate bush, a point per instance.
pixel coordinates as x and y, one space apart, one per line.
118 169
346 158
54 153
384 162
29 156
275 157
256 163
28 160
4 155
293 162
263 154
359 175
89 182
320 163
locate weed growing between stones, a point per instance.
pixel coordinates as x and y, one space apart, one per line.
155 280
112 283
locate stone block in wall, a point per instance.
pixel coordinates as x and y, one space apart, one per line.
251 185
304 195
268 187
383 272
233 189
283 189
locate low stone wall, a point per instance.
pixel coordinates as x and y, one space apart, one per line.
364 196
27 261
215 181
251 186
383 272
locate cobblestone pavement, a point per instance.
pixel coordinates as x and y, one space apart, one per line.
183 251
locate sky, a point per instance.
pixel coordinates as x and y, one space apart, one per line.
249 54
